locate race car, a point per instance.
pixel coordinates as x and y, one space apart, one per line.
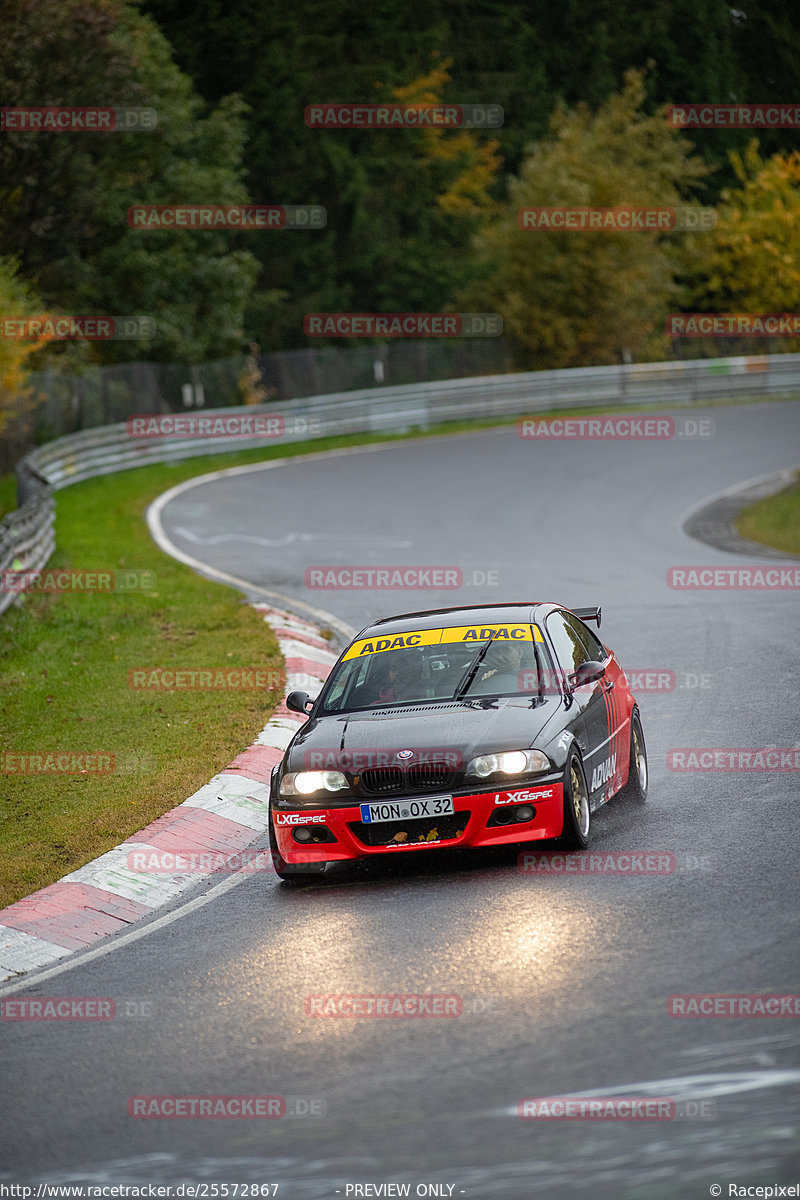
457 727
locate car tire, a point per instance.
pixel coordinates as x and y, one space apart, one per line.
292 872
636 787
577 815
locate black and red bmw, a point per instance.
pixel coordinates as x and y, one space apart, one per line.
477 726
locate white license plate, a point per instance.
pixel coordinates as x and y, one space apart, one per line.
406 810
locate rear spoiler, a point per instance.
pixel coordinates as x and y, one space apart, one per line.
588 614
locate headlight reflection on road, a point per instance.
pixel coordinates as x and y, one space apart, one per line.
539 943
536 940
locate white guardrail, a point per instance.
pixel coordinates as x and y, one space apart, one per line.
27 537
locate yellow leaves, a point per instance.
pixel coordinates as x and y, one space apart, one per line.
751 261
251 385
467 165
425 89
16 300
468 192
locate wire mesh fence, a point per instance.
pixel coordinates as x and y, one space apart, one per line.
59 403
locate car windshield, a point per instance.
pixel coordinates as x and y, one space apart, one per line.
427 673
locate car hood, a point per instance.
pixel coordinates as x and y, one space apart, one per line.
507 723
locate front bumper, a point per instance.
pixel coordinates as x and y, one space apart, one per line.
467 826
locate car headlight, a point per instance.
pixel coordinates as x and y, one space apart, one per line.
306 783
510 762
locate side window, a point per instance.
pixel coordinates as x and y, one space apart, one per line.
594 646
569 646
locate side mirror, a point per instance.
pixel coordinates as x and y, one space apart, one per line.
299 702
587 672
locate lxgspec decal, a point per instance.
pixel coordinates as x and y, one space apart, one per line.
523 797
294 818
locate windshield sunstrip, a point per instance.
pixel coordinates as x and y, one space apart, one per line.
443 664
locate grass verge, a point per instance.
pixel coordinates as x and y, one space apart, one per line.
8 494
774 521
64 674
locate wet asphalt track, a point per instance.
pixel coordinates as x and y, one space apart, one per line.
564 979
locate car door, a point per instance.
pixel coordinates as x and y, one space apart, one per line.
568 636
610 754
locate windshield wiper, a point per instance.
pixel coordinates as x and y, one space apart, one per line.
471 672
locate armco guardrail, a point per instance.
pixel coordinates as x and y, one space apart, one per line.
26 536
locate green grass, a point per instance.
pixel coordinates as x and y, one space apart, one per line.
64 677
774 521
8 494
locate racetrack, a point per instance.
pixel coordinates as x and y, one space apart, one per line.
564 979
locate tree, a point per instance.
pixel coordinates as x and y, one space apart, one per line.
389 243
750 262
579 297
766 42
17 300
64 197
402 208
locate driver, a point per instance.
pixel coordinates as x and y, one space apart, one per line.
400 679
501 658
500 668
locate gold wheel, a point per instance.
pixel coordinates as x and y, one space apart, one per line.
580 798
